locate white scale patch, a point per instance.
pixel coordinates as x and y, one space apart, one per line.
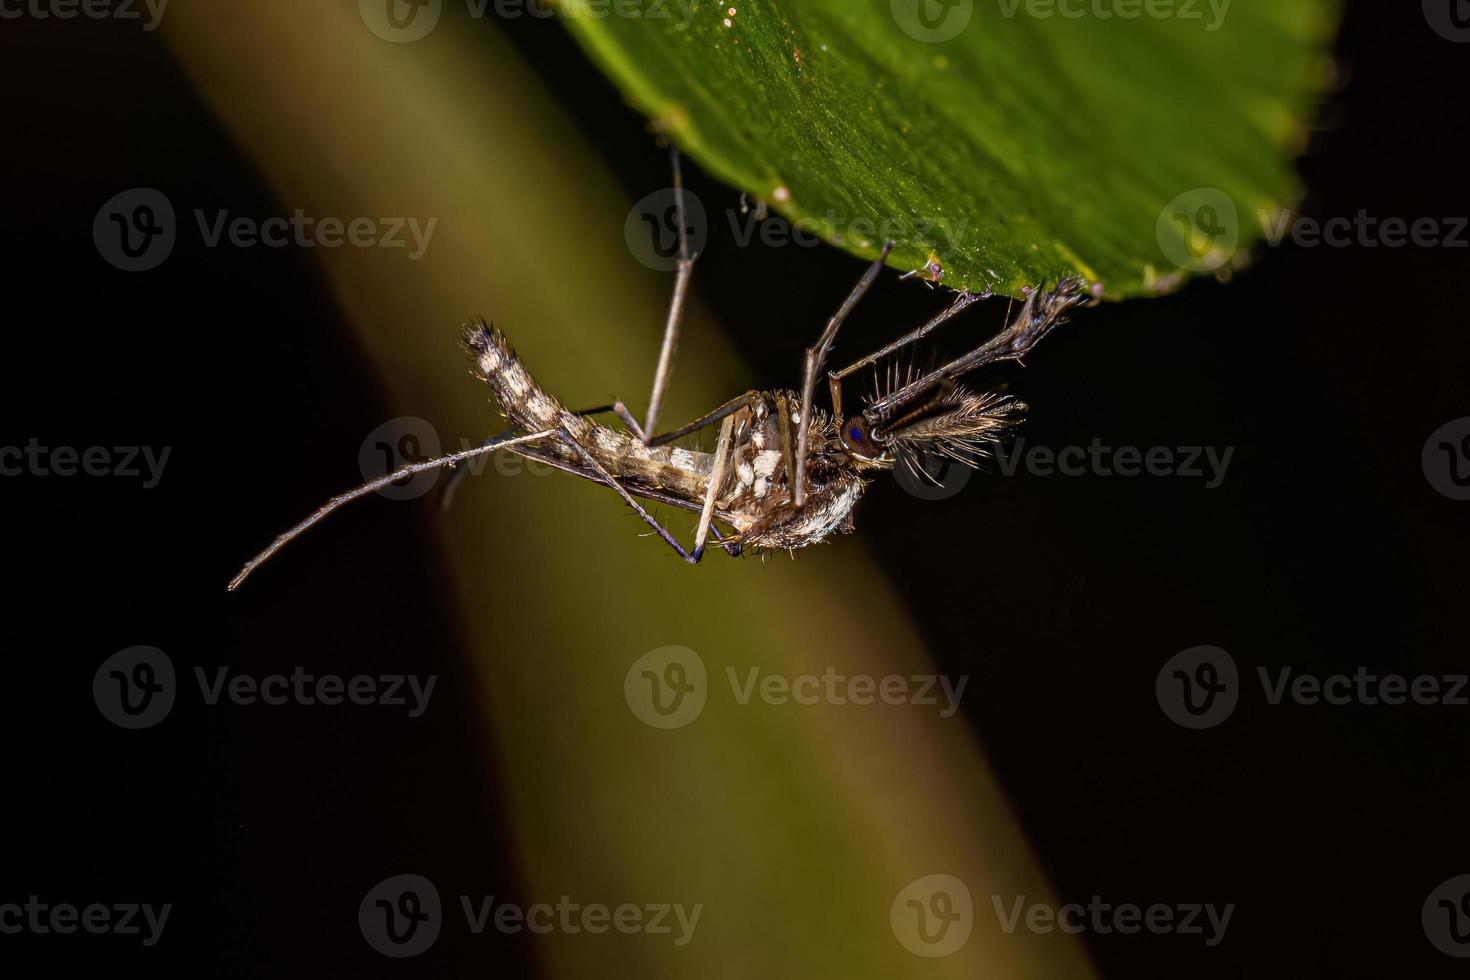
766 463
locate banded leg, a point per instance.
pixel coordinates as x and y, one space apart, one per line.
816 356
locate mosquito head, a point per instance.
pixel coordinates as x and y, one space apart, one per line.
865 445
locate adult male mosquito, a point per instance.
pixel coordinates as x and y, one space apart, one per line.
784 474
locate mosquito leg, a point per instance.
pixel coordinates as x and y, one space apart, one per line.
1041 314
817 356
493 445
724 411
458 474
835 378
732 544
676 311
620 409
783 421
716 480
605 477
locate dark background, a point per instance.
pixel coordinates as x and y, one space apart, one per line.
1325 549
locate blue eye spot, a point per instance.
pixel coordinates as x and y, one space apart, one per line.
856 434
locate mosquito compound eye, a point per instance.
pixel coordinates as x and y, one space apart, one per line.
858 439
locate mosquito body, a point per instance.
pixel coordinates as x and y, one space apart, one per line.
747 477
783 473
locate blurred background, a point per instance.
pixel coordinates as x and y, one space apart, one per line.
268 371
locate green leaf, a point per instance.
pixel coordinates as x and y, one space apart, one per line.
1000 143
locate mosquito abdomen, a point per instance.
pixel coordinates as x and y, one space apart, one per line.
531 409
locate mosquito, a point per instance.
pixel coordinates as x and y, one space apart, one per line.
784 474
